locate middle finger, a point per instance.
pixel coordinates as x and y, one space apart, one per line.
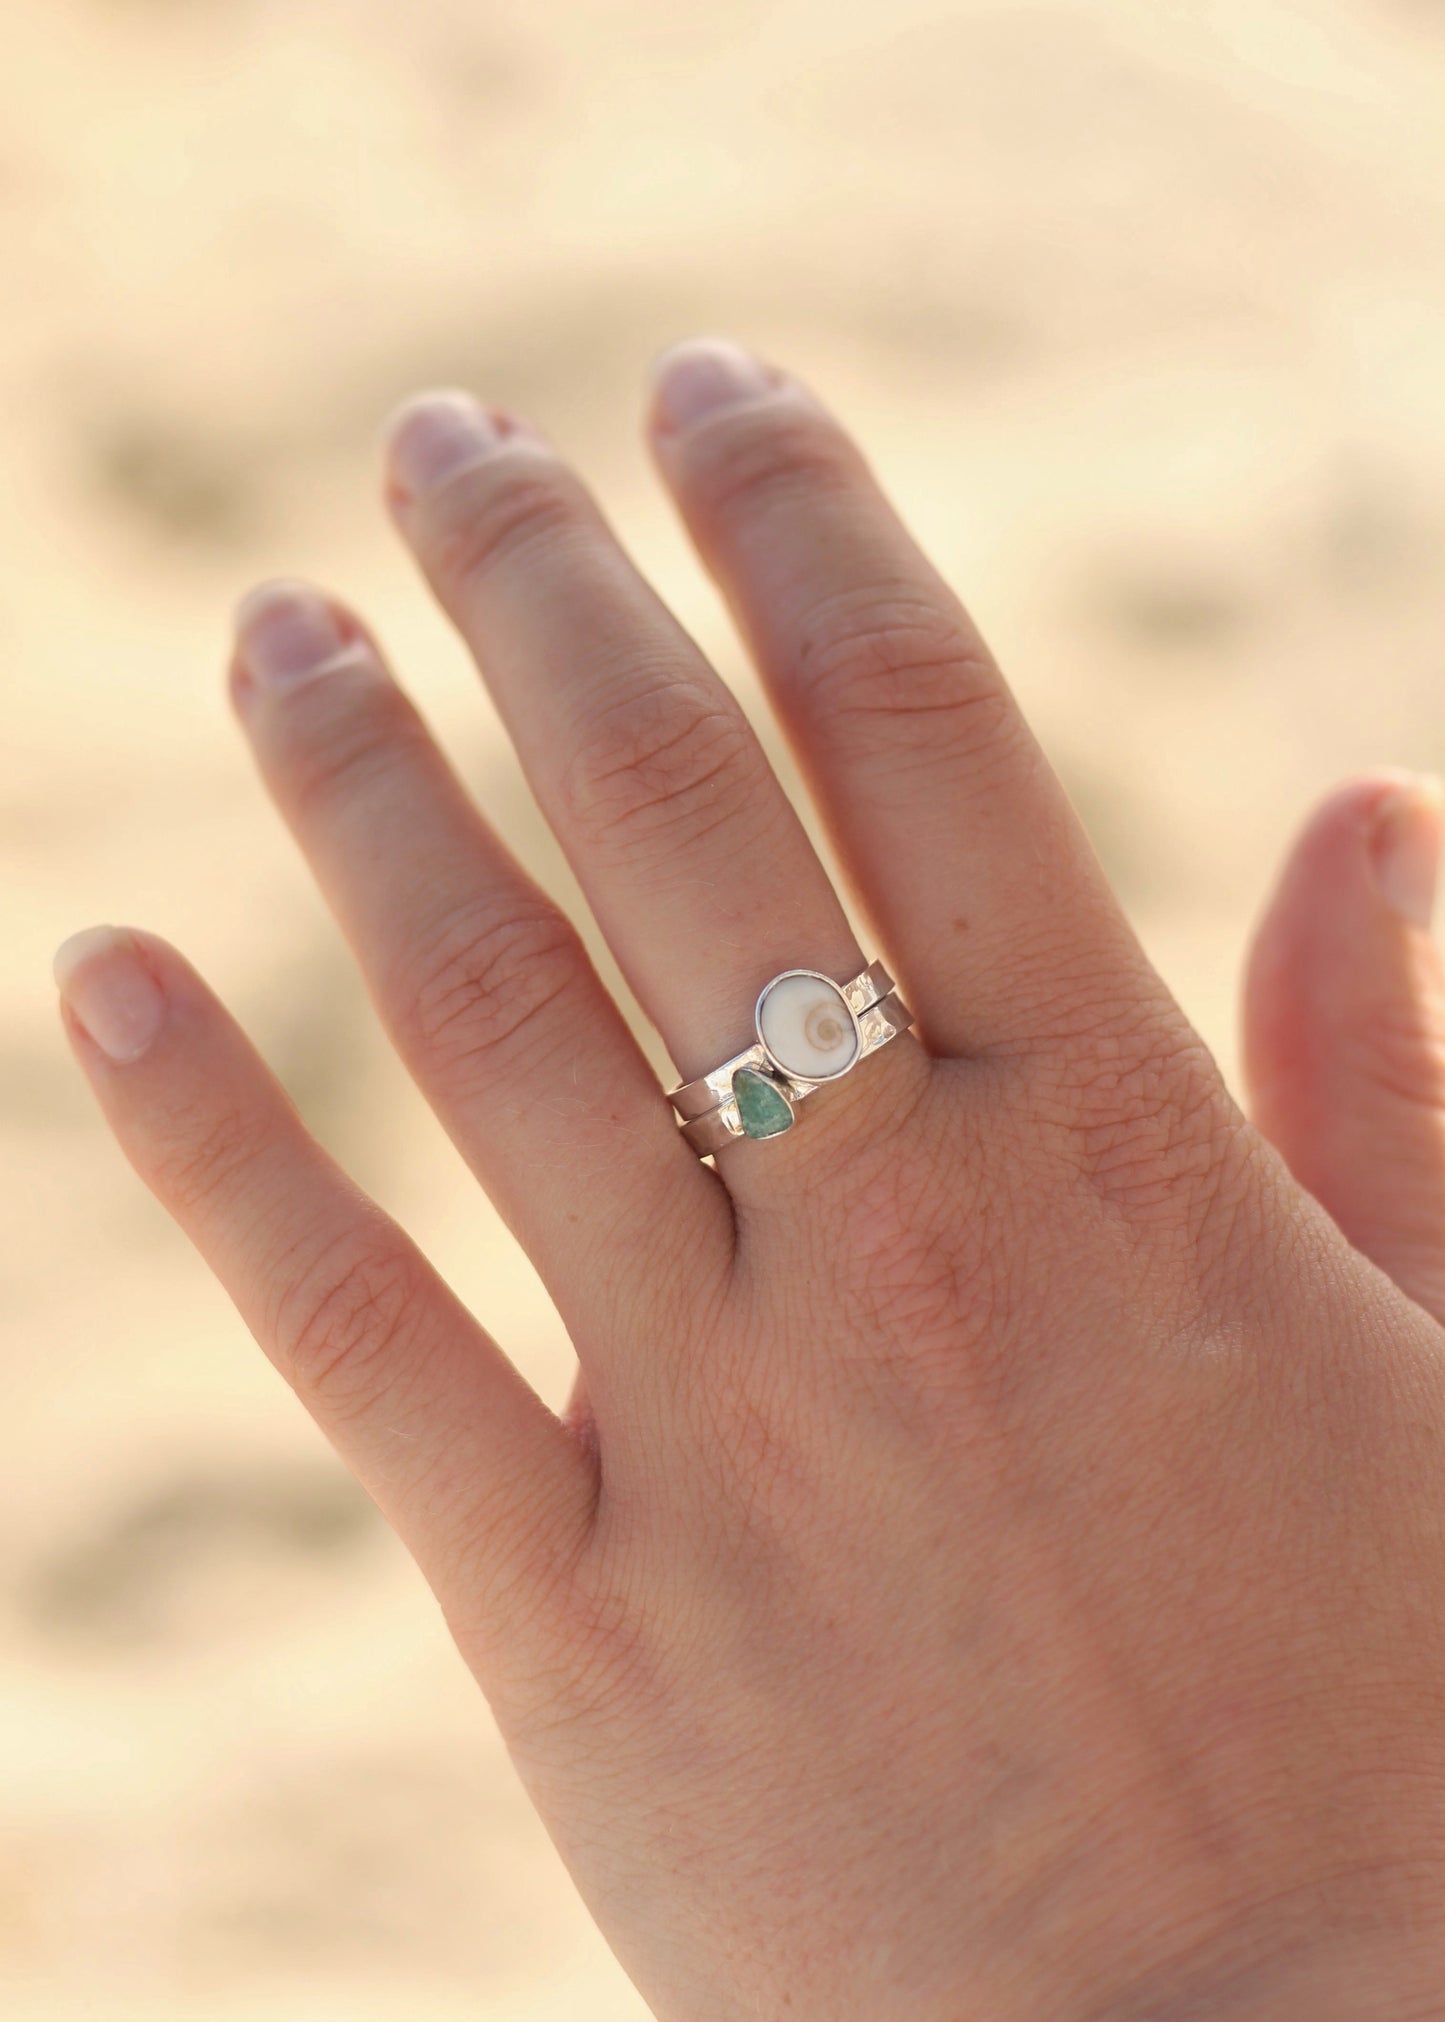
688 850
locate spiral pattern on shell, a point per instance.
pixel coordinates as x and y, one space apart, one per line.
806 1025
825 1029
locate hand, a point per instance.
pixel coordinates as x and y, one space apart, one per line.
994 1564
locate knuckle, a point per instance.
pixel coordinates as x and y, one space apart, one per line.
775 458
342 737
666 761
207 1157
342 1321
497 512
487 980
895 673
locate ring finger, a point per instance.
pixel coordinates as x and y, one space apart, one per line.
484 985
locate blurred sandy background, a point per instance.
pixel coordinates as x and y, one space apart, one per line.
1141 307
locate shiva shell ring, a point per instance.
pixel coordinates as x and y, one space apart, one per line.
810 1030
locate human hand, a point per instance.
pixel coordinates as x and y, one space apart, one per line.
993 1564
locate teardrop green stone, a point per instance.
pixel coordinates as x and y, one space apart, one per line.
763 1109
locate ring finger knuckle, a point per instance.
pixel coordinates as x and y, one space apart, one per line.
205 1157
345 734
770 458
890 673
487 982
345 1319
496 514
669 762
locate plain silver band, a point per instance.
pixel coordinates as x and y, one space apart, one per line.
709 1091
879 1022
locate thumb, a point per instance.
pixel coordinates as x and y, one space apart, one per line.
1344 1039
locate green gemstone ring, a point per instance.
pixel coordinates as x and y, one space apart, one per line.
810 1030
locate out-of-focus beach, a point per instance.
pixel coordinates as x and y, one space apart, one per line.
1140 308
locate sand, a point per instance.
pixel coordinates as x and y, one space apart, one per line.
1140 308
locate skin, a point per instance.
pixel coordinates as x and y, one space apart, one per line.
994 1562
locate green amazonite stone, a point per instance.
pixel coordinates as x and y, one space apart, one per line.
763 1109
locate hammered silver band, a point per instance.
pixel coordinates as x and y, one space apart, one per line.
696 1098
810 1030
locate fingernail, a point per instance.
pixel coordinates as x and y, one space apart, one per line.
702 377
286 632
434 436
110 991
1405 836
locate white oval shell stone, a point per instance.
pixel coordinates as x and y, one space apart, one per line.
805 1024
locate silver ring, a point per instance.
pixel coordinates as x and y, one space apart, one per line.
811 1031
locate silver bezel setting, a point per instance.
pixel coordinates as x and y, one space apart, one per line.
707 1109
789 1074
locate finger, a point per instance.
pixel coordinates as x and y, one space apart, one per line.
1345 1025
952 826
483 1483
690 855
481 980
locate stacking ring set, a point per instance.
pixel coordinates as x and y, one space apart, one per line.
810 1031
